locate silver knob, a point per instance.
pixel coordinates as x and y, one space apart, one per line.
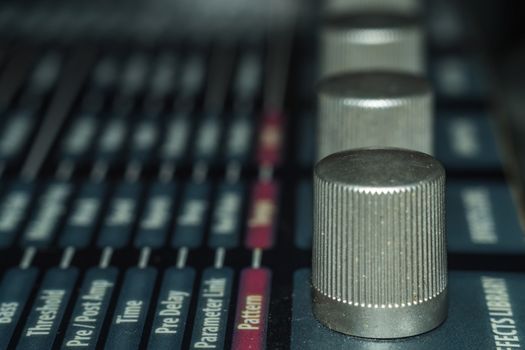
379 250
374 109
397 6
371 41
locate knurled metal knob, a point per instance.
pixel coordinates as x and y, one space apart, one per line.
357 42
397 6
377 108
379 265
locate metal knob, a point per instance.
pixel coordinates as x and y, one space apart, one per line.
379 250
374 109
360 42
397 6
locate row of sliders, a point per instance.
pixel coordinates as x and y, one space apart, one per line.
379 266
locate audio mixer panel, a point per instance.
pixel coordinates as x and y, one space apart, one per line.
157 183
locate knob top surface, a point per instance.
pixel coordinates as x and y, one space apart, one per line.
379 169
373 85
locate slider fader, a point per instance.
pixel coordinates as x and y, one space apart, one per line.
284 174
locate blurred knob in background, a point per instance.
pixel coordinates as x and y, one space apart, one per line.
352 6
374 109
367 41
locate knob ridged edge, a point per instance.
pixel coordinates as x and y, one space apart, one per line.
379 258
